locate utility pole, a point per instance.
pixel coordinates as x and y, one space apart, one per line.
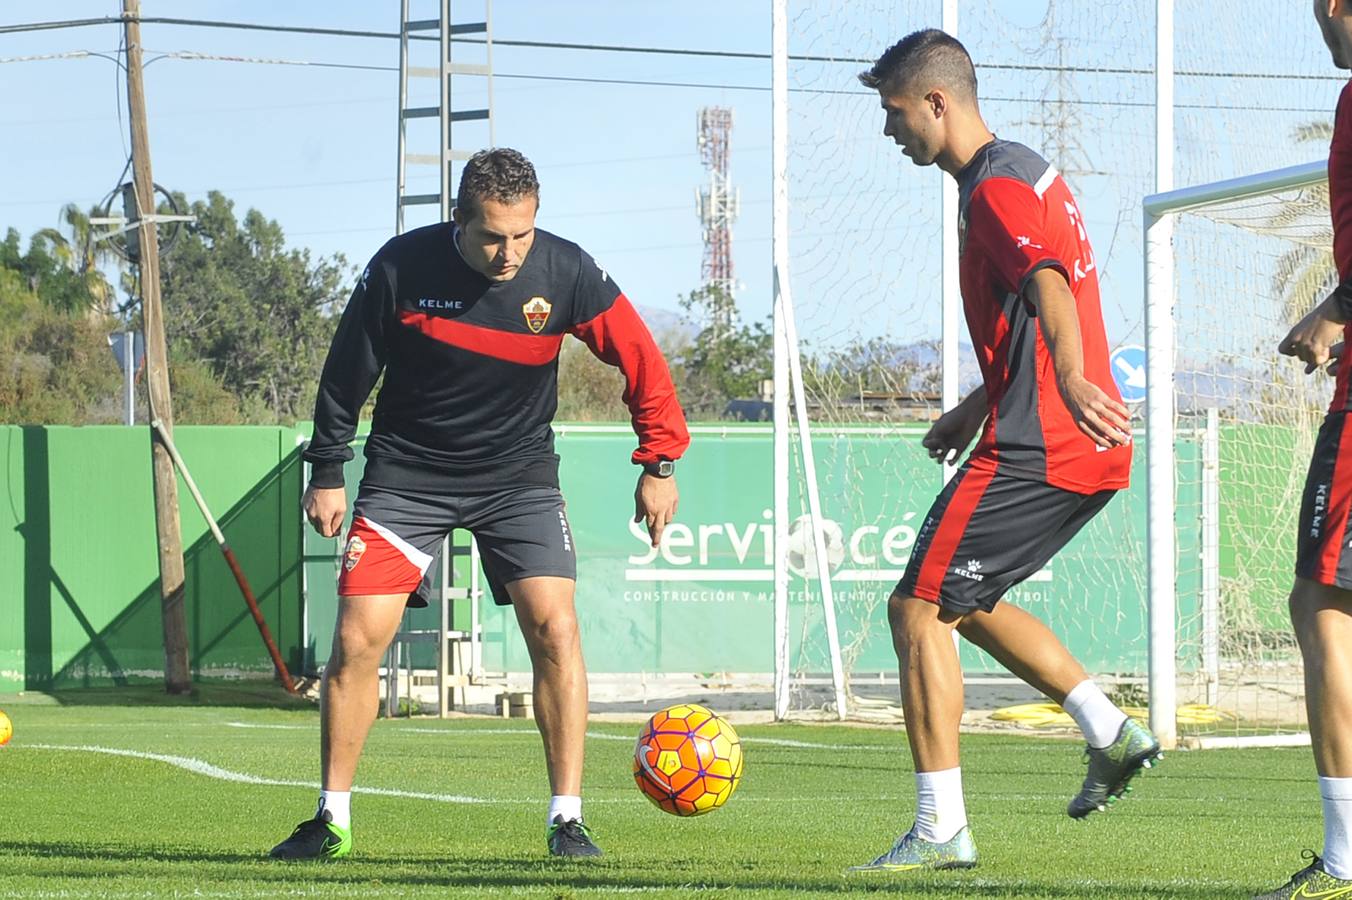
177 679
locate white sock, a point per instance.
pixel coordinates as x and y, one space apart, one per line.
939 809
337 804
564 805
1096 715
1337 796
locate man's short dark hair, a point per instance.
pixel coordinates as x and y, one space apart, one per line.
500 174
929 55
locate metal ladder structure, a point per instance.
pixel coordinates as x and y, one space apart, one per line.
463 62
458 58
459 649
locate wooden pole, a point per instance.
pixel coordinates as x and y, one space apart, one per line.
177 678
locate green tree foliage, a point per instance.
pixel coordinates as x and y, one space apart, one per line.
727 360
75 247
54 366
589 390
42 270
257 314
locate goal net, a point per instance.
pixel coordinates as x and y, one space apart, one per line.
868 243
867 271
1250 256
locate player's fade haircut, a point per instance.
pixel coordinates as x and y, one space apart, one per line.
500 174
929 56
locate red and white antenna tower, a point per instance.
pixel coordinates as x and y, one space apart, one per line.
717 203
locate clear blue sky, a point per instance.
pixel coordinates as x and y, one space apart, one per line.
314 147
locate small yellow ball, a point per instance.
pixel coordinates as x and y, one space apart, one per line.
6 729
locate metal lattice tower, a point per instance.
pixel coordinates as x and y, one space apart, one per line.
717 203
451 54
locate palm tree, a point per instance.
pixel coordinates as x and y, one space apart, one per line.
79 252
1305 273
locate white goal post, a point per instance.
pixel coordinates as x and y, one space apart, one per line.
1220 522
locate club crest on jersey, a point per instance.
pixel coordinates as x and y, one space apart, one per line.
536 311
352 555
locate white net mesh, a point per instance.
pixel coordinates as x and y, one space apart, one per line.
866 250
1075 82
1246 422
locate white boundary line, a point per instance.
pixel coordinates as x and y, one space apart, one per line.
594 735
201 767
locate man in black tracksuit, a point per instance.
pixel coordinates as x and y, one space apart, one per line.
466 319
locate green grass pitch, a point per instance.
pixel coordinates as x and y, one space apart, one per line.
227 782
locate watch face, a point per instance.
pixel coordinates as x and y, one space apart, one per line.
665 468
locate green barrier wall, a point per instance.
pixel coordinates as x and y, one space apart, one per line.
81 600
78 561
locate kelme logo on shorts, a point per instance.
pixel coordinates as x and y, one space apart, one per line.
352 555
536 311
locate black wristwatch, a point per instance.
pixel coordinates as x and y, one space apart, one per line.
663 468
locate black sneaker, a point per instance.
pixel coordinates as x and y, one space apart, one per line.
316 838
570 838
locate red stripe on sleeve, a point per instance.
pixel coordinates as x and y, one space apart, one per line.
526 349
619 337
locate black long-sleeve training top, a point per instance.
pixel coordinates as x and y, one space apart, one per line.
471 366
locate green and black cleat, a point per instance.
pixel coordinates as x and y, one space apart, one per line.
910 853
1112 768
1312 882
570 838
316 838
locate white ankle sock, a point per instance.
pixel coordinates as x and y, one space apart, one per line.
1096 715
939 809
564 805
337 804
1337 796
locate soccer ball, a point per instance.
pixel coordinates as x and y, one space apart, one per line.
6 729
802 550
688 760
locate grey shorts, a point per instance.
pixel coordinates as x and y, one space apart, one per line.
988 531
1326 507
396 536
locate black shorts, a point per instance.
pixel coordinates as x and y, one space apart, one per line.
396 535
1323 542
986 532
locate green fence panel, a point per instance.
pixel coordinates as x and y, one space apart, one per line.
79 576
91 599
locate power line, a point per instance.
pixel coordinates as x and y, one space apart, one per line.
192 55
617 48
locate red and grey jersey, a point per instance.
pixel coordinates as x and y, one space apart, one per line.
471 366
1340 205
1016 217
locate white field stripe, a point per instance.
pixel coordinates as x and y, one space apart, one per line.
411 553
201 767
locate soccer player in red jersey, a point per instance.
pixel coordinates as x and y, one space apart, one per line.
1054 447
465 320
1321 598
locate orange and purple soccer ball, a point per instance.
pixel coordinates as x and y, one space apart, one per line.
688 760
